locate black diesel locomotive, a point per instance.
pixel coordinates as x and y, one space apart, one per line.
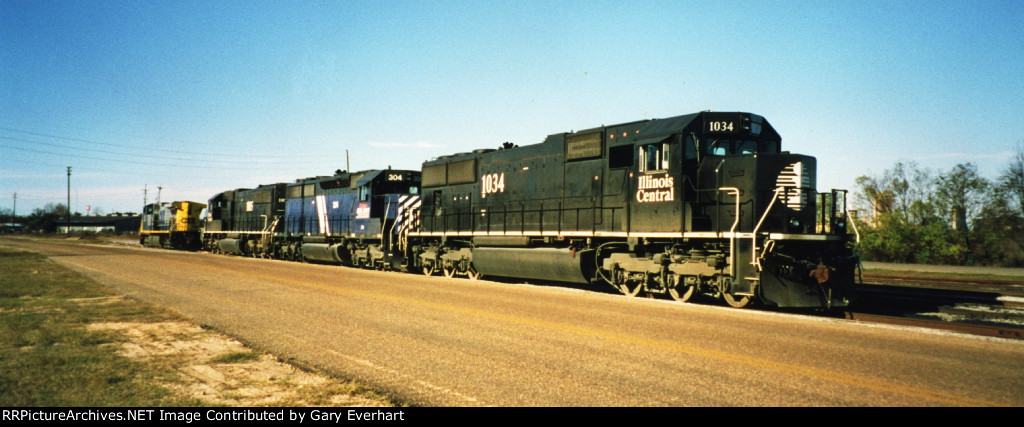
705 203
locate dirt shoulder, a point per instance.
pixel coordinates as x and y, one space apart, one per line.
218 370
67 340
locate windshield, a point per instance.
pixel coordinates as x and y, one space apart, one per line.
722 147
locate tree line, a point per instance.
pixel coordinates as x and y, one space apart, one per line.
44 220
910 214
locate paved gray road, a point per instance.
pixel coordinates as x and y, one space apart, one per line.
454 342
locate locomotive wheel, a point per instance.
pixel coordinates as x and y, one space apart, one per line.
624 288
429 268
449 271
682 293
736 300
473 274
678 289
619 276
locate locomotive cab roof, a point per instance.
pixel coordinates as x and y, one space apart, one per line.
728 125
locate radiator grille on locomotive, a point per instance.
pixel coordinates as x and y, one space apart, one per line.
797 180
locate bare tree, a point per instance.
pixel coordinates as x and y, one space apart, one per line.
1011 182
904 191
960 194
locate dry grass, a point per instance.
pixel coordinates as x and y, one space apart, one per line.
68 341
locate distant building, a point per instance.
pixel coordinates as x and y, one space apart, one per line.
97 224
11 228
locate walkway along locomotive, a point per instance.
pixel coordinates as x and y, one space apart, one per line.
705 203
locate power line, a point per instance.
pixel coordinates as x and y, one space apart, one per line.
109 144
79 156
217 161
220 159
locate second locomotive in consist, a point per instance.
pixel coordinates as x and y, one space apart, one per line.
347 218
705 203
700 204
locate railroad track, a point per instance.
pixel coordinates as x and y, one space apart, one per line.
967 328
1000 286
992 308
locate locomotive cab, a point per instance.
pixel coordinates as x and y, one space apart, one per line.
753 206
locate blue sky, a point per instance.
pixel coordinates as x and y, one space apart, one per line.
200 97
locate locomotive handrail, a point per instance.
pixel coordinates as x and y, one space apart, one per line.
384 221
391 233
486 224
266 240
853 224
754 260
732 231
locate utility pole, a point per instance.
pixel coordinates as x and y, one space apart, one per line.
15 216
68 231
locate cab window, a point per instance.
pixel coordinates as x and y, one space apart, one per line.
746 147
722 147
654 157
719 147
691 147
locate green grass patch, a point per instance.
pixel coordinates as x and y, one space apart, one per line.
48 358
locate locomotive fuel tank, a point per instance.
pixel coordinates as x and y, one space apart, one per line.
554 264
323 252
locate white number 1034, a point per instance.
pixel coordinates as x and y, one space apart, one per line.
492 183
